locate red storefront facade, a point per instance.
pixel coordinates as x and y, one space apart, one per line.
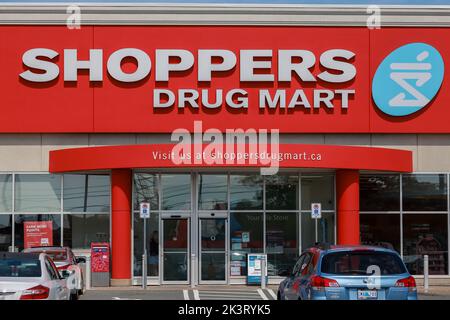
153 80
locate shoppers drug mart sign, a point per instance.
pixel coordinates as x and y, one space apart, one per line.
155 79
255 66
408 79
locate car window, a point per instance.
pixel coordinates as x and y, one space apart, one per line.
20 268
298 265
358 262
51 269
305 264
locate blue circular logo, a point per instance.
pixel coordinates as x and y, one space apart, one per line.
408 79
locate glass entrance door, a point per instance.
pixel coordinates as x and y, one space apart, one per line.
175 250
213 250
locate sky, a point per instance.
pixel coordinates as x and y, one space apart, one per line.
388 2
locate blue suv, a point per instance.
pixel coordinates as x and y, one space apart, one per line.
348 273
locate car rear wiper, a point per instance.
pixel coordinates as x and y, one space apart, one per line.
354 271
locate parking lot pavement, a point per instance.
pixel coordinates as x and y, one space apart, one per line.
213 293
202 293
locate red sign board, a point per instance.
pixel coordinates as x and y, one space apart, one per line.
106 99
38 233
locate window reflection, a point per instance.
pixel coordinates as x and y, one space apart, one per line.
282 192
381 230
246 236
86 193
281 241
152 244
425 234
5 231
145 190
246 192
82 229
320 189
379 192
176 191
425 192
37 193
5 192
212 192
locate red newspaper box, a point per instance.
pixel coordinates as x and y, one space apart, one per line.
100 256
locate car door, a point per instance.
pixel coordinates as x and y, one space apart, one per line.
289 291
300 277
58 288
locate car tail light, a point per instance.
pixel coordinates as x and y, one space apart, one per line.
407 283
320 282
35 293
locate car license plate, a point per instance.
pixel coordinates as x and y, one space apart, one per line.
367 294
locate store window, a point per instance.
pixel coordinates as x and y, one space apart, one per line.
86 193
82 229
37 193
5 231
318 189
35 230
146 190
281 241
324 232
246 236
379 192
5 192
213 192
176 191
282 192
425 192
152 243
425 234
246 192
381 230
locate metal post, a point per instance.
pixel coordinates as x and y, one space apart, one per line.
425 273
144 257
192 270
88 272
316 230
263 273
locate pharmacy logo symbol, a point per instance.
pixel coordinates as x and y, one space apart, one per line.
408 79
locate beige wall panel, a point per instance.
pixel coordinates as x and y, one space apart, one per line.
61 141
434 153
108 139
302 138
20 152
348 139
149 138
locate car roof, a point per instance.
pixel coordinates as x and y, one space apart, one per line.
338 248
46 248
20 255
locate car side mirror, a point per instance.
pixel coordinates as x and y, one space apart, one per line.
67 273
284 273
80 260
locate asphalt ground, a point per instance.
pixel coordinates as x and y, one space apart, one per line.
213 293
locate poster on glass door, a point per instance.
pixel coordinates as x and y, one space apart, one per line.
37 234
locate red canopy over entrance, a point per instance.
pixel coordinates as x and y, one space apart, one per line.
121 159
293 156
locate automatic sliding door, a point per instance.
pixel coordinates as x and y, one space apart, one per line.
175 250
213 253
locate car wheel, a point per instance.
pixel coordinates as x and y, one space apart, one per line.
278 295
74 296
